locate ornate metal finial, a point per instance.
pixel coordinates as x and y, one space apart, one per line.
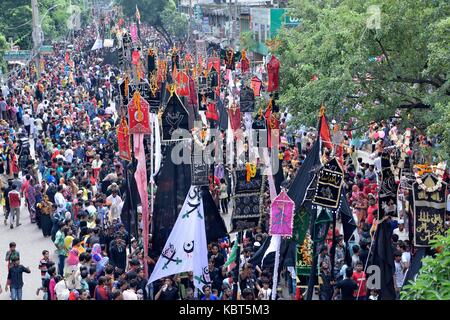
322 110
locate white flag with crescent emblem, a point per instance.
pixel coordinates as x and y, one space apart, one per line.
186 248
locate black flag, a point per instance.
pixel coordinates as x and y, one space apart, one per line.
214 224
305 175
383 257
348 223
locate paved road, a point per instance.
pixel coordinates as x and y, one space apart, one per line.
30 243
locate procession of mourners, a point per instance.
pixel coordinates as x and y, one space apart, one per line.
89 157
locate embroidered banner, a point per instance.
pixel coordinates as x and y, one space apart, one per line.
282 215
387 196
123 139
247 99
139 114
248 200
175 117
429 211
329 185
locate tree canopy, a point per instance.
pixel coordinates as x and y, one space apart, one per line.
360 71
160 14
433 281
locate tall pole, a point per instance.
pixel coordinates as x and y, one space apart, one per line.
37 35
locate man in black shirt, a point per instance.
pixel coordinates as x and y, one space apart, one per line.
346 286
15 279
215 275
219 259
167 292
118 252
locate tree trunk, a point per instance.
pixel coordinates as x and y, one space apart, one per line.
163 32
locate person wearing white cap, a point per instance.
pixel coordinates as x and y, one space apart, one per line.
402 233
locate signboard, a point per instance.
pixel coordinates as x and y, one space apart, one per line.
206 28
20 55
46 50
429 211
198 12
291 21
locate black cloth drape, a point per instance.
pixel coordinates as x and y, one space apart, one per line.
305 174
173 183
383 257
214 224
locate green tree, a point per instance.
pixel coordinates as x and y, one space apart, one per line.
3 46
433 281
152 13
16 20
248 42
176 23
336 44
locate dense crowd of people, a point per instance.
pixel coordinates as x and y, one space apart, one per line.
72 182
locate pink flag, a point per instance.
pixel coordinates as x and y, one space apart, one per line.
134 33
282 215
141 180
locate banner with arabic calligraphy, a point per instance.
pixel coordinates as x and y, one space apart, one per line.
305 257
429 212
282 215
329 185
387 203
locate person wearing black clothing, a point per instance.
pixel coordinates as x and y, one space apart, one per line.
15 279
215 275
142 283
325 283
346 286
92 280
188 282
167 291
118 252
106 237
214 254
5 196
247 279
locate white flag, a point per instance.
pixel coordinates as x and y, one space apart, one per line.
97 45
186 247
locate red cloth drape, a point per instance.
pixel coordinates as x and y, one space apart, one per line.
245 65
256 86
273 69
182 84
235 118
211 112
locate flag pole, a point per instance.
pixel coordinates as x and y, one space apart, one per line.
312 276
237 267
276 266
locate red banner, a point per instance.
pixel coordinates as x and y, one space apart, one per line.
182 84
123 138
138 114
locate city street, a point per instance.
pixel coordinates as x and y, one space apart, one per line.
30 244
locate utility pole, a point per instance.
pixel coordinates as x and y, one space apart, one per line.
37 36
